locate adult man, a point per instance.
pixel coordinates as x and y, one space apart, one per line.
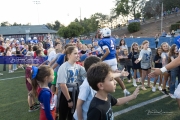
107 43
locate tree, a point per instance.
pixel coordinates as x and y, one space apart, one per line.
57 25
50 26
5 23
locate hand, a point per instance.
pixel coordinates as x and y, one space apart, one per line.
70 104
124 73
135 93
155 73
120 57
137 61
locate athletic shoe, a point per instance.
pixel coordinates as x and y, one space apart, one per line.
154 89
143 88
33 108
11 71
168 88
160 88
134 83
129 81
126 93
1 73
172 96
37 104
165 92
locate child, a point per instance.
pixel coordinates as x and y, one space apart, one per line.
69 74
100 77
145 58
173 53
134 56
33 106
41 77
164 57
158 64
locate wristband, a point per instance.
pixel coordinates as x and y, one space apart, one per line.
69 100
163 69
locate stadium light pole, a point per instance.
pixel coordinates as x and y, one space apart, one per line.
37 3
162 18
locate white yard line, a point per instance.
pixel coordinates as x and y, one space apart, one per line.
139 105
12 78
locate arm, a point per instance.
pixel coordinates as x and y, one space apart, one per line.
65 91
106 54
29 80
124 100
46 96
140 58
52 62
79 109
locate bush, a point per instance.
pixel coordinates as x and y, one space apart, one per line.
134 27
175 26
178 22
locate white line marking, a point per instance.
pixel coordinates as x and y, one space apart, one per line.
139 105
12 78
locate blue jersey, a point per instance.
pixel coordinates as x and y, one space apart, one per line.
110 42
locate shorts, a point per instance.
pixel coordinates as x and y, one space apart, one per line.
55 79
112 63
146 69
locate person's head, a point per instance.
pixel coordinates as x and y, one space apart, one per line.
30 48
39 53
89 46
173 50
134 47
42 75
145 44
100 77
125 51
84 47
8 49
71 54
58 46
92 49
165 47
95 43
35 48
122 42
17 49
158 51
40 45
90 61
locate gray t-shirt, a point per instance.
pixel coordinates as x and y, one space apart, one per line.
164 56
145 56
68 73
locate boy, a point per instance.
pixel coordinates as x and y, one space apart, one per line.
101 78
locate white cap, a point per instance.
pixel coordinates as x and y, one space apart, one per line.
35 38
29 38
22 38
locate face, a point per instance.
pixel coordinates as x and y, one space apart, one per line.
109 84
122 42
135 46
58 46
51 77
176 50
159 51
74 56
145 46
125 52
165 47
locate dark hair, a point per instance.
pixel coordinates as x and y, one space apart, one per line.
7 49
157 51
97 73
121 41
171 52
35 48
57 43
43 71
90 60
69 50
29 47
38 52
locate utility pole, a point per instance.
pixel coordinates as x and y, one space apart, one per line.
162 18
37 3
80 14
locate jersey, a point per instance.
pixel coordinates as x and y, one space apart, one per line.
145 56
110 43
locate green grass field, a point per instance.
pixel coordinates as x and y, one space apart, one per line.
14 106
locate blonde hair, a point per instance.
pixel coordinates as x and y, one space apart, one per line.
167 45
143 43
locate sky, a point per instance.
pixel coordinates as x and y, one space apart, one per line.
25 11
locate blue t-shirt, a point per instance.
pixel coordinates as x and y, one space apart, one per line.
60 60
110 43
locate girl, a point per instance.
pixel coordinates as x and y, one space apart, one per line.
128 64
68 75
30 51
123 45
134 56
164 57
157 40
8 53
173 53
158 64
33 106
40 78
145 58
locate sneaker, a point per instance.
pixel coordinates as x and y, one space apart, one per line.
1 73
37 104
168 88
153 89
134 83
33 108
129 81
126 93
164 92
11 71
172 96
160 88
143 88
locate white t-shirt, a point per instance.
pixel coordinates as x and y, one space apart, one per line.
86 93
122 47
51 55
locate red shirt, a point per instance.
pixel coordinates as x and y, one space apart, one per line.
1 48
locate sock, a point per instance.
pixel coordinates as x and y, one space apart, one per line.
124 90
55 99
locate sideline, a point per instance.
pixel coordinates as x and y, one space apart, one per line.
11 78
139 105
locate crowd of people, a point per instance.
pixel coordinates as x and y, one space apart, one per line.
76 79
